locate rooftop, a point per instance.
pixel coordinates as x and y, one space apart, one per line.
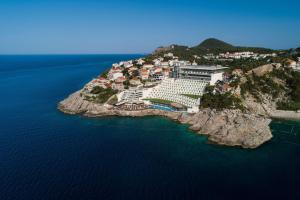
204 67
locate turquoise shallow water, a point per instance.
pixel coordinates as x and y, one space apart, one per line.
45 154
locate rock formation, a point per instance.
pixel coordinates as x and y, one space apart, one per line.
227 127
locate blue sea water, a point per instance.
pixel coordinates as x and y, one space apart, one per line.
45 154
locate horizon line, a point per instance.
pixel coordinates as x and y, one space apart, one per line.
45 54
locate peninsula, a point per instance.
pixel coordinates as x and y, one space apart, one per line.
226 92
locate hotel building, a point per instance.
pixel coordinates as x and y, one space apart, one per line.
209 74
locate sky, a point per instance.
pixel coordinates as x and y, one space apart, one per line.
139 26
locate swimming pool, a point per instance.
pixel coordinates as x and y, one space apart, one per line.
162 107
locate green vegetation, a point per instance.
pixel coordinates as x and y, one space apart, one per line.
159 101
105 73
256 85
235 82
102 95
113 100
126 84
218 101
192 96
293 83
125 72
213 43
279 81
245 64
290 105
96 90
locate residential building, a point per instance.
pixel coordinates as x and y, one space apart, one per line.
148 66
164 64
120 79
144 74
115 75
140 61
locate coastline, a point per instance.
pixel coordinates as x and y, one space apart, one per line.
285 115
227 127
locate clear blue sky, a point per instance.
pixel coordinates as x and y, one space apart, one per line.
139 26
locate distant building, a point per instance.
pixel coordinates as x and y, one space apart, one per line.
164 64
156 70
116 75
140 61
209 56
291 63
132 70
115 65
120 79
166 72
144 74
148 66
169 55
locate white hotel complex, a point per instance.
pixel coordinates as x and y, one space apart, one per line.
186 81
185 85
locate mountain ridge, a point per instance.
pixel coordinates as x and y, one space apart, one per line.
210 45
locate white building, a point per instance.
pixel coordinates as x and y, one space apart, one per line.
209 74
148 66
115 65
126 64
140 61
157 61
291 63
187 85
114 76
169 55
164 64
177 90
132 95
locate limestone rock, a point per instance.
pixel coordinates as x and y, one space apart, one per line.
227 127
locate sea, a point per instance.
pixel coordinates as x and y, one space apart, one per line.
45 154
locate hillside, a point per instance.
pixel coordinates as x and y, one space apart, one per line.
213 43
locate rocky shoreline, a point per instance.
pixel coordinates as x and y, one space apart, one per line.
227 127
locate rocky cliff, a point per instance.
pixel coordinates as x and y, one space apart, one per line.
228 127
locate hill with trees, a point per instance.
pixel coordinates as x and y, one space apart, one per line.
208 46
213 43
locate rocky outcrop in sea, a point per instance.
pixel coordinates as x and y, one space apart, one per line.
227 127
